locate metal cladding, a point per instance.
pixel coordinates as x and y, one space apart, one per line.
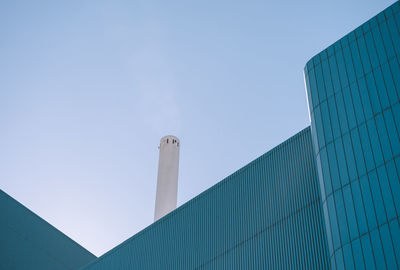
167 179
354 92
267 215
29 242
327 198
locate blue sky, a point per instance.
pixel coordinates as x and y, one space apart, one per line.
88 88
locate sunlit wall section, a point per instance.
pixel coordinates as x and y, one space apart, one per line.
267 215
353 88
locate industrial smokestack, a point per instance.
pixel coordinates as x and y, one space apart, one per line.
167 179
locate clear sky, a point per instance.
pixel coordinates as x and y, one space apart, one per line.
88 88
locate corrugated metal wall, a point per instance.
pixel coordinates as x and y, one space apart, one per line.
354 93
267 215
28 242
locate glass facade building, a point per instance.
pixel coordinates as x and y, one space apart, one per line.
267 215
353 91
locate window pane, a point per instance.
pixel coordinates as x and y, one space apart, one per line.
394 180
348 257
351 164
366 103
359 157
376 149
377 249
359 207
344 177
341 113
351 215
377 197
333 166
394 138
366 246
386 193
369 206
383 137
388 247
341 215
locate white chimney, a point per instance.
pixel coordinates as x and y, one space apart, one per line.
167 179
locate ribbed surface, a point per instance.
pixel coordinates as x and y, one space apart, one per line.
267 215
353 89
28 242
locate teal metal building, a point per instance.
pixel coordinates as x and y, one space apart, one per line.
353 91
28 242
327 198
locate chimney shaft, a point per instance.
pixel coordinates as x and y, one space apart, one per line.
167 179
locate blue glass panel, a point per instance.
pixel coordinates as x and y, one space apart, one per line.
369 206
392 132
334 224
339 259
387 41
368 256
395 68
377 197
388 247
396 115
358 108
349 64
380 49
359 206
348 257
371 50
341 68
333 166
334 74
324 192
376 149
373 95
320 83
341 215
313 88
325 171
366 146
377 249
341 113
326 121
386 193
359 156
356 60
344 177
333 117
366 103
351 164
319 126
351 215
383 137
349 107
358 255
395 232
364 55
327 78
394 34
394 183
381 88
390 87
328 228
